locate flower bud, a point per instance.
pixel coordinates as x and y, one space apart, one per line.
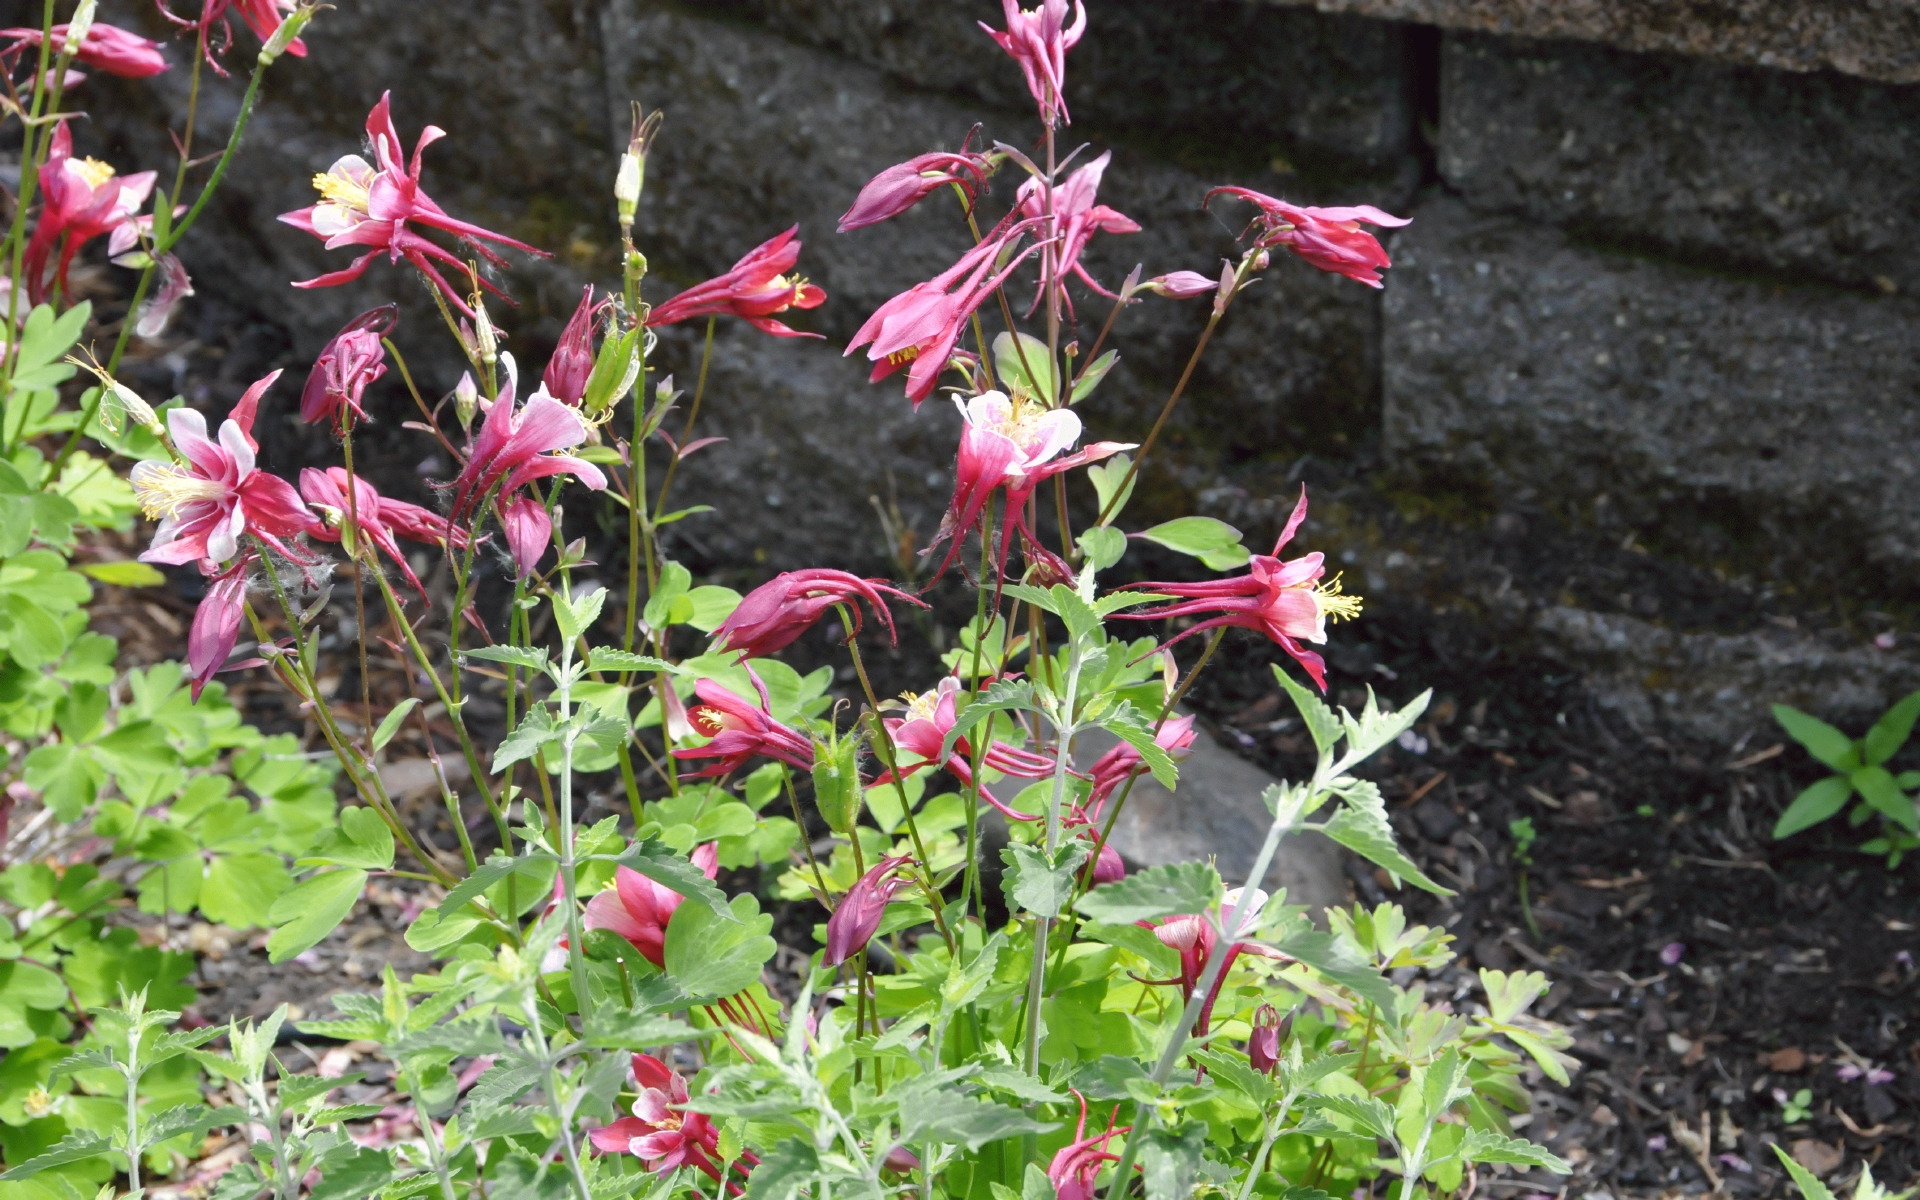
626 187
485 340
466 400
284 36
1270 1033
79 27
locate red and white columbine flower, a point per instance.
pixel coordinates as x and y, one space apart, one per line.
1077 218
515 446
753 289
1076 1165
929 716
529 532
903 185
739 731
217 620
367 205
1328 238
1194 937
205 502
1285 601
103 47
1039 41
1010 443
379 517
777 612
638 909
858 914
84 199
349 362
660 1132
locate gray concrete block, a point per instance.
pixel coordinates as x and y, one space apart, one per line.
1818 175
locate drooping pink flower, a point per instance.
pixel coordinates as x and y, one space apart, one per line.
1194 937
660 1132
347 364
858 914
529 532
1285 601
84 199
929 716
777 612
515 446
156 311
1328 238
217 620
739 731
1181 285
638 909
105 47
1078 218
262 16
206 502
753 289
1039 40
1270 1032
566 375
903 185
921 325
366 205
380 517
1012 444
1121 763
1076 1165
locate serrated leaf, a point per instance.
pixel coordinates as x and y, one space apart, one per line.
347 1112
1481 1146
1170 1162
783 1171
1371 1115
76 1146
535 731
1821 740
1374 728
390 724
513 656
1162 891
658 862
1037 885
1338 961
934 1114
1809 1184
1006 695
189 1118
1361 826
1320 720
601 658
1131 726
630 1031
485 876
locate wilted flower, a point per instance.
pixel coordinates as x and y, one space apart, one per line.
84 199
660 1132
858 914
157 310
754 289
1285 601
1077 218
1328 238
777 612
364 206
566 375
1075 1165
349 362
216 622
1039 41
103 47
903 185
380 517
262 16
514 447
529 532
929 716
638 909
739 731
206 502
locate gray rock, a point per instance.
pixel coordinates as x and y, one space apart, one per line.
1719 418
1817 175
1870 38
1720 686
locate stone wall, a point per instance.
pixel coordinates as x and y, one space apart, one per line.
1656 289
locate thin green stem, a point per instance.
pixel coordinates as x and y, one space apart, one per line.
686 431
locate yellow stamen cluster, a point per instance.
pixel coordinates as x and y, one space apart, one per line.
920 705
1335 604
92 170
338 189
1022 423
900 358
165 488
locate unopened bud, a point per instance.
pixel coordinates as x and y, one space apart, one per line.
466 400
289 30
637 265
626 187
485 340
117 400
79 26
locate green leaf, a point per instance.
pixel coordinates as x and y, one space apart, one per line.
658 862
607 1030
189 1118
1036 885
1170 1161
1234 1071
43 342
1319 719
681 514
1006 695
123 574
239 890
712 604
1891 731
1508 995
1813 805
937 1114
1012 362
711 957
601 658
674 582
1193 535
535 730
1162 891
390 724
1822 740
1106 478
1374 727
1361 826
1338 961
1876 786
312 910
1103 546
783 1172
362 840
1371 1115
1091 377
490 872
513 656
1809 1184
1131 726
1481 1146
353 1175
77 1146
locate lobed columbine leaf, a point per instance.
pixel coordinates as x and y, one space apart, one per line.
1040 885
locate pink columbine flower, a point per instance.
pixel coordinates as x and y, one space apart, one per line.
566 375
660 1133
1194 937
515 447
364 205
347 364
216 622
206 502
380 517
777 612
1010 443
903 185
1077 218
1328 238
529 532
638 909
262 16
1122 763
858 914
754 289
1039 41
84 199
1285 601
921 325
739 731
1181 285
105 48
1076 1165
1270 1032
929 716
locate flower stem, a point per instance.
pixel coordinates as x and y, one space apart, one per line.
693 414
